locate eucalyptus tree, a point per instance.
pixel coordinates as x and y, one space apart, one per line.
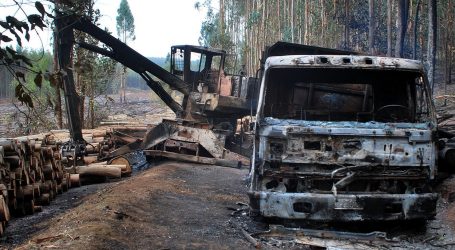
125 30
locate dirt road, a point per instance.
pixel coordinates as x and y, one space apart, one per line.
173 205
186 206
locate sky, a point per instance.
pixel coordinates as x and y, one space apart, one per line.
159 24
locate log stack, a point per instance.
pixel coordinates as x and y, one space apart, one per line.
32 171
31 174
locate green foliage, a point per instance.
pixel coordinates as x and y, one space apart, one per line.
125 21
253 19
101 75
211 33
167 62
14 59
34 83
214 36
287 34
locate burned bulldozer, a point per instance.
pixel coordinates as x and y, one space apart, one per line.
343 137
206 116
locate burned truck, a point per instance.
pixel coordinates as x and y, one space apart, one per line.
343 137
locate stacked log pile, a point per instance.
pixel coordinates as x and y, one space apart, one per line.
32 171
31 175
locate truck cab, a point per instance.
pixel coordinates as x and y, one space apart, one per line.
344 138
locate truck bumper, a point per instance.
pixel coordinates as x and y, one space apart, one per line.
344 207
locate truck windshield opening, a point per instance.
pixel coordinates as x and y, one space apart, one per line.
345 94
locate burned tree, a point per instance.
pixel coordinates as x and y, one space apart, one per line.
402 20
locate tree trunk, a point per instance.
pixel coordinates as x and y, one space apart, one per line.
265 17
450 10
123 90
389 27
58 98
323 25
278 10
431 49
221 18
82 103
123 75
402 19
347 17
371 26
307 24
447 60
416 23
292 20
92 105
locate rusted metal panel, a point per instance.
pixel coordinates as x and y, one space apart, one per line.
179 145
222 105
225 86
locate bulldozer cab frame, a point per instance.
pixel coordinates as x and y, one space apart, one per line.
200 67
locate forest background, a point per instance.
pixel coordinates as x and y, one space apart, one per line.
415 29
